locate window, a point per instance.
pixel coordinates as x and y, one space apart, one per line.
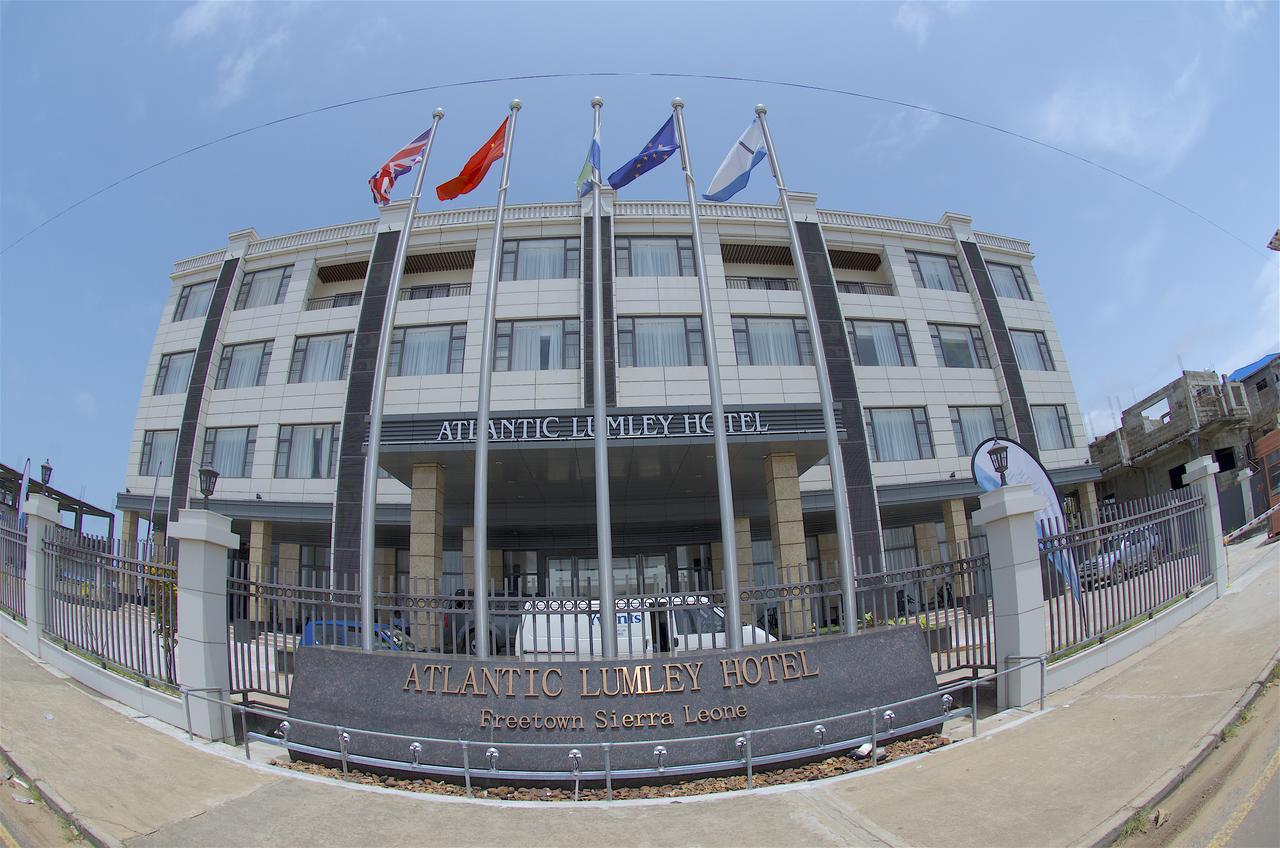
660 342
193 301
1008 281
263 288
230 450
539 259
320 358
417 351
932 271
536 345
772 341
1261 385
313 565
1053 428
973 424
899 548
243 365
157 453
1032 350
880 343
1272 461
174 373
899 434
959 346
654 256
308 452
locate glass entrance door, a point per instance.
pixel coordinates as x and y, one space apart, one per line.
576 574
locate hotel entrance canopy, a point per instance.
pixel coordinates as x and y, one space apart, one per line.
661 460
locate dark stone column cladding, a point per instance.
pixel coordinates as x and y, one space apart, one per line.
588 312
195 389
355 415
1004 347
864 519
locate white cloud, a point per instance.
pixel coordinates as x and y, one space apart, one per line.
916 18
891 136
1241 14
246 34
1129 112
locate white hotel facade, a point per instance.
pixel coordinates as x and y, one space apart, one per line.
936 337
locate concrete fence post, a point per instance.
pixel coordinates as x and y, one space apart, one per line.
204 538
1200 472
1008 514
42 514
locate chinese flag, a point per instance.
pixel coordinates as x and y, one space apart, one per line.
477 166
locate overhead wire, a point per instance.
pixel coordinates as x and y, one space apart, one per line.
635 74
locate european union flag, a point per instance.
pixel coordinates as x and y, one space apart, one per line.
657 151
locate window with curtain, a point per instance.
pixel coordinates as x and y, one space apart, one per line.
972 424
307 451
899 548
230 450
418 351
880 343
1053 427
158 448
654 256
959 346
243 366
933 271
263 288
193 301
1008 281
536 345
174 373
539 259
660 342
899 434
772 341
1032 350
320 358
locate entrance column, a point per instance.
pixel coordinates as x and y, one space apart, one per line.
956 524
290 575
129 532
786 525
426 529
928 551
468 551
259 565
746 568
1087 497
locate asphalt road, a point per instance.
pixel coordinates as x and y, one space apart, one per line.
25 822
1233 799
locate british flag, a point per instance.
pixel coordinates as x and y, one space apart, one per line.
400 163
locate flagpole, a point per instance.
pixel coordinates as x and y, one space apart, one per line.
480 513
839 493
728 537
369 498
600 419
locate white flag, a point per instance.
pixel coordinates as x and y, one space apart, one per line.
734 172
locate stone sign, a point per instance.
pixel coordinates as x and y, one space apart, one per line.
695 705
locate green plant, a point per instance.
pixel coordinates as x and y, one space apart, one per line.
1137 823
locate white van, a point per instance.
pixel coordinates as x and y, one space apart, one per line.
565 629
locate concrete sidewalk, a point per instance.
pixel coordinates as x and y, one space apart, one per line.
1067 776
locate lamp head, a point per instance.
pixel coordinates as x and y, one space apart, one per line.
999 460
208 482
46 472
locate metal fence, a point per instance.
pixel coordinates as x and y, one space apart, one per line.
949 601
1129 562
13 568
114 602
268 619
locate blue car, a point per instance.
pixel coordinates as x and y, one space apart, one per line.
347 634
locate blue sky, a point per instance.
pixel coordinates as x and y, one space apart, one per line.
1179 96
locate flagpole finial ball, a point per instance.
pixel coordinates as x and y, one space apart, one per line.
677 103
515 105
597 101
438 113
760 109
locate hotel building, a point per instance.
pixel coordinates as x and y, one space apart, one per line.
936 337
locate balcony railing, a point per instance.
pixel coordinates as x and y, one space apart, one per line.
334 301
864 288
763 283
442 290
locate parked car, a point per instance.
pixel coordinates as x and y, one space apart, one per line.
505 609
1121 556
347 634
669 628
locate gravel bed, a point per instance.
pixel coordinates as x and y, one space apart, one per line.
840 764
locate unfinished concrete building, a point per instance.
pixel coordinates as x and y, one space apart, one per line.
1197 414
